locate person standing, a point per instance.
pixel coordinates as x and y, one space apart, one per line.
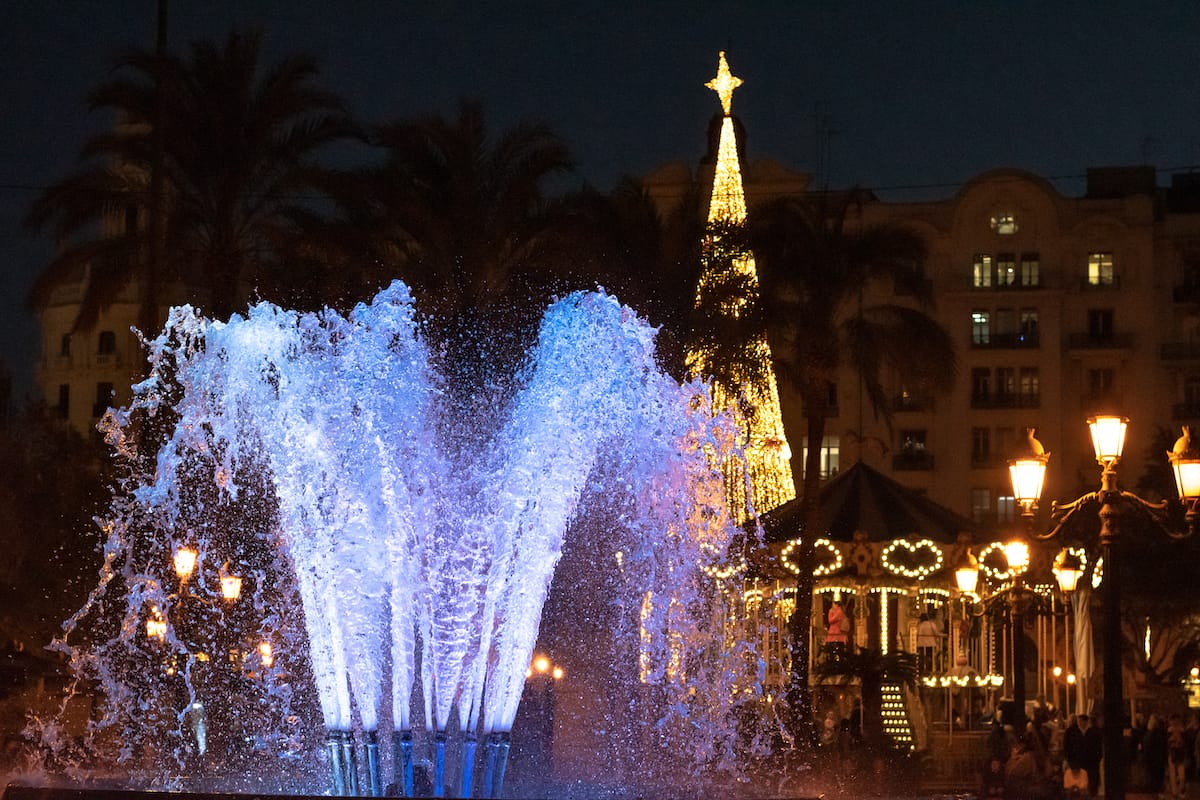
1177 756
928 634
1154 753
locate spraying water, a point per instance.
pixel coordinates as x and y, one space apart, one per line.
395 547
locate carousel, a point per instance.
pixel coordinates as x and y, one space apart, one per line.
900 574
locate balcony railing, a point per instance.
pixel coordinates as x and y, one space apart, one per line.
1088 285
1008 341
912 460
911 402
1093 341
1177 351
1006 400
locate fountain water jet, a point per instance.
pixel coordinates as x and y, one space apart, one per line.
418 559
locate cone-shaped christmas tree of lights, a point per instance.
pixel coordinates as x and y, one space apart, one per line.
766 469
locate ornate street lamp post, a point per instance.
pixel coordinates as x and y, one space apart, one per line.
1114 507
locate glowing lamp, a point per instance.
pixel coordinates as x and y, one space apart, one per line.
1071 678
231 587
557 673
541 664
1057 671
185 562
1108 437
156 628
1185 463
265 654
1067 570
1017 553
1028 473
966 574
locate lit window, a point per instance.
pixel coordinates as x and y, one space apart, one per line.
830 456
1006 269
981 272
1004 223
1031 270
913 441
1100 269
981 328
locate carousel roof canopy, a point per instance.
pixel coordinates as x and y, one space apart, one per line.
864 499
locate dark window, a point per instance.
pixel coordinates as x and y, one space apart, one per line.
104 396
107 344
1006 382
131 220
1101 382
64 345
1100 324
981 384
64 400
981 445
1030 332
1005 327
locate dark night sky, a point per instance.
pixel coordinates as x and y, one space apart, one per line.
917 94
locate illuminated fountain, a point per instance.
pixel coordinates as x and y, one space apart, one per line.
397 538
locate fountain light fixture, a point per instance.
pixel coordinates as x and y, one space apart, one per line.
231 587
185 562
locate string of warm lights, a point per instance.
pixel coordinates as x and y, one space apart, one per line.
831 565
990 681
932 562
765 465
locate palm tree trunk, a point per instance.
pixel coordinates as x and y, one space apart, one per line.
799 691
148 320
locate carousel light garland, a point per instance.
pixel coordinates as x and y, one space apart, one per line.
828 568
919 572
964 681
992 572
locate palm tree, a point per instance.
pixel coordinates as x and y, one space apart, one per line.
461 216
816 263
649 259
237 142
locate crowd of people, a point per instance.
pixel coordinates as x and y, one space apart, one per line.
1055 757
